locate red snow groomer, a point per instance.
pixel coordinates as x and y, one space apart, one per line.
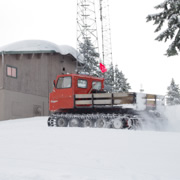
82 101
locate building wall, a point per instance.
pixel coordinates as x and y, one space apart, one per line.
1 105
1 94
27 95
1 73
35 74
20 105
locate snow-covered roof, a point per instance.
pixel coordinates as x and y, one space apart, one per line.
40 46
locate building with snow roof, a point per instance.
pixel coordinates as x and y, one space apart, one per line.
27 70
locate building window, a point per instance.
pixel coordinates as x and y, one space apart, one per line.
11 71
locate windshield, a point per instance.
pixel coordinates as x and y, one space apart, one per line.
64 82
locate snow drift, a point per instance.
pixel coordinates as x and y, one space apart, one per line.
173 115
29 150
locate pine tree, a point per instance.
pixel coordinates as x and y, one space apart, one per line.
109 78
171 14
120 82
173 94
90 56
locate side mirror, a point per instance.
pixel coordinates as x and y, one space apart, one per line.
54 83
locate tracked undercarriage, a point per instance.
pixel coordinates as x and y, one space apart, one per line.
103 120
117 121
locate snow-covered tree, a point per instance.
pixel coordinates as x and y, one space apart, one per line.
90 55
120 82
109 78
170 16
115 80
173 95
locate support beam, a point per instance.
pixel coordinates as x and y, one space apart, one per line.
19 56
39 55
30 56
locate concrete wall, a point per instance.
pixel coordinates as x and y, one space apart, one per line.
20 105
27 95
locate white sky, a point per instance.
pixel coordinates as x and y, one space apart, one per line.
134 49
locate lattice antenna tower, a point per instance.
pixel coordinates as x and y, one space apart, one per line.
106 33
86 25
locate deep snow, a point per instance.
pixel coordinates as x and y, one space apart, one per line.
29 150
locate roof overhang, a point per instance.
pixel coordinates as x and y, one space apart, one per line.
39 47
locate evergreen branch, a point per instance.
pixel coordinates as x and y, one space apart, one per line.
168 33
172 20
159 26
171 51
171 14
162 5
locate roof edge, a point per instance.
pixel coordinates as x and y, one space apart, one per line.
41 46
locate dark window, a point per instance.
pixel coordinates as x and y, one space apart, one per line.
11 71
64 82
96 85
82 83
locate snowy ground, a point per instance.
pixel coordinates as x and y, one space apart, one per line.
29 150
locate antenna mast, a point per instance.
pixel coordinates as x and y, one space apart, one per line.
86 27
106 33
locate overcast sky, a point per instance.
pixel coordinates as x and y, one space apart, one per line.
134 49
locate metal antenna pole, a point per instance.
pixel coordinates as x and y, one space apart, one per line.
102 36
86 27
106 33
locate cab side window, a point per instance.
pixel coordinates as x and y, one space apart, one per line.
82 83
96 85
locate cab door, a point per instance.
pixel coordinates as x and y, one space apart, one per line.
62 96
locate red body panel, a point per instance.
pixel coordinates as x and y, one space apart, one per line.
63 98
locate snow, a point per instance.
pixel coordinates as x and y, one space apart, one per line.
173 115
40 46
29 150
